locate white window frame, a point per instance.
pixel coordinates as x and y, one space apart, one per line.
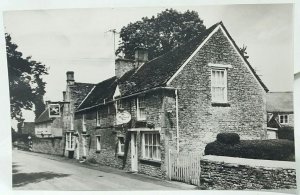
120 152
138 109
150 146
98 142
70 141
285 120
83 123
71 122
119 104
214 99
98 118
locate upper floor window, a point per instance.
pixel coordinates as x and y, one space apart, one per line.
83 123
283 119
119 105
98 118
219 85
141 108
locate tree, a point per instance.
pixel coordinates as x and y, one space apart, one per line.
26 85
160 34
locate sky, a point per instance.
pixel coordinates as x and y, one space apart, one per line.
79 40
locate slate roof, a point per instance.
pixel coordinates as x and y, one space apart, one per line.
80 91
44 117
154 73
103 90
280 102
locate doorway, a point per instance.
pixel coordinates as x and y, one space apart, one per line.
134 156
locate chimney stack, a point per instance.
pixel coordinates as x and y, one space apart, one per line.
70 78
122 66
64 95
141 56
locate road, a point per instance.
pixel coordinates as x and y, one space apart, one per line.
32 171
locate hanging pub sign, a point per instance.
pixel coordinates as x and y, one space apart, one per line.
123 117
54 110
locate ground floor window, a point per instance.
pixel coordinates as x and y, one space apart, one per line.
70 141
121 144
151 145
98 143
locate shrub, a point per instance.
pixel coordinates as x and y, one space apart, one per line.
257 149
286 133
228 138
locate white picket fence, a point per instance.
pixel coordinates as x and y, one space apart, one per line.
185 167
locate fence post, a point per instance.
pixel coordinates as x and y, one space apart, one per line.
169 164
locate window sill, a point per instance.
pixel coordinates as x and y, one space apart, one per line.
219 104
150 161
120 154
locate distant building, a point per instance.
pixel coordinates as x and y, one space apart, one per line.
280 109
26 127
46 126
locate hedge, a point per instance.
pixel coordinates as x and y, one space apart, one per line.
286 133
228 138
282 150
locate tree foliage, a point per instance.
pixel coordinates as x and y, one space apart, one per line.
26 85
160 34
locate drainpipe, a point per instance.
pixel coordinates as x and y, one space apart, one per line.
177 120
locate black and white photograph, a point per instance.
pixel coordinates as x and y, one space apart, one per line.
163 98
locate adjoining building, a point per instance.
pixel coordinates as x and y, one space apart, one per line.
280 112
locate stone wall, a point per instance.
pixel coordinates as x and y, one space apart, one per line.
200 119
48 145
229 173
109 133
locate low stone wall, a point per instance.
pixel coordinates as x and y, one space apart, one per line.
219 172
48 145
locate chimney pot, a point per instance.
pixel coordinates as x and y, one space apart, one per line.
70 78
64 95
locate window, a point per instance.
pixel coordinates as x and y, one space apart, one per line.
98 143
141 108
219 85
71 123
98 118
151 146
121 145
283 119
70 142
119 105
83 123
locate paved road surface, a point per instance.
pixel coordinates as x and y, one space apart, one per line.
33 171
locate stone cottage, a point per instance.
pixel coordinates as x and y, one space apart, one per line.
46 126
178 102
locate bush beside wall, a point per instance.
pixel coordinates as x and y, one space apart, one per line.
286 133
282 150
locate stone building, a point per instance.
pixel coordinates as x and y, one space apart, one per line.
46 126
178 102
280 109
280 112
